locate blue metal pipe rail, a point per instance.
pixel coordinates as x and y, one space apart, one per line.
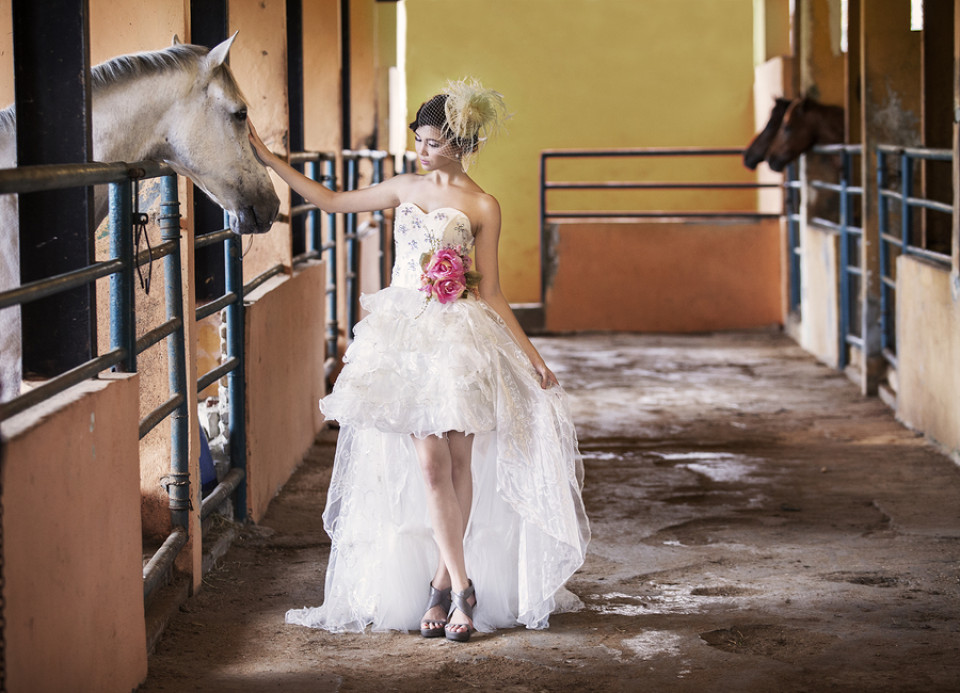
548 215
791 213
892 244
124 345
317 248
351 235
851 244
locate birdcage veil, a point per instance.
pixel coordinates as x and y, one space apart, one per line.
467 115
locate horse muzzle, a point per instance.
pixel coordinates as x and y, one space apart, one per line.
257 218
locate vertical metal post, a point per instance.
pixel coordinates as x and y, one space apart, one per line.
123 324
544 239
379 219
883 223
333 325
313 240
52 93
842 358
179 490
353 257
793 236
294 15
346 70
209 26
236 379
906 177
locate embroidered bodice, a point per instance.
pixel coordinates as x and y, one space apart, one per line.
416 232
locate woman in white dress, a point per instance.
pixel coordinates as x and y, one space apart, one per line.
457 477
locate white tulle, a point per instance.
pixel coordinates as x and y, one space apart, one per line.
419 368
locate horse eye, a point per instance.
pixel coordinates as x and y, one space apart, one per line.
241 115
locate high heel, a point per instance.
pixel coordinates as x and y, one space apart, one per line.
439 598
461 601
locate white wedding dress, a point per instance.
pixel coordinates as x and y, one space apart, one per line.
417 368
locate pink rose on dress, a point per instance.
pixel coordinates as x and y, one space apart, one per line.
448 289
446 263
447 275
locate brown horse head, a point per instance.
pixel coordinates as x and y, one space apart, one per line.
806 123
756 151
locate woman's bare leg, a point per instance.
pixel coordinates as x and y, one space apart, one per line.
445 463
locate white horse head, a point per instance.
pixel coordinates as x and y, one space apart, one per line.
182 105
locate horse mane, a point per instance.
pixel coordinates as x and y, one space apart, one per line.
124 68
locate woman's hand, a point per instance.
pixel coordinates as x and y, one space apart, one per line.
259 148
547 378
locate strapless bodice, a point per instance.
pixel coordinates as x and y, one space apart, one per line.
416 232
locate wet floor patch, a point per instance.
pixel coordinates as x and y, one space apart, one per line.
652 644
723 467
703 531
868 579
778 642
666 598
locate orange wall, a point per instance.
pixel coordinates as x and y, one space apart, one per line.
258 60
285 379
665 277
71 542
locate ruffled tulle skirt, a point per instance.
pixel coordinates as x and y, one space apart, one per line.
417 369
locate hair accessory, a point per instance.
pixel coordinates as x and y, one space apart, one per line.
467 113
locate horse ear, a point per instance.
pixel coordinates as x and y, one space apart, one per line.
218 54
176 40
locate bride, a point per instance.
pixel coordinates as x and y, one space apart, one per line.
457 478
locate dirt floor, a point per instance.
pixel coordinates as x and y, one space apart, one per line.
757 526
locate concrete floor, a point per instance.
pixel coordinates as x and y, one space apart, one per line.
757 526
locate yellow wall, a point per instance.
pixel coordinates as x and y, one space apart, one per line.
585 73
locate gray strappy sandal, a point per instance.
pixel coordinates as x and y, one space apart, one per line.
461 602
439 598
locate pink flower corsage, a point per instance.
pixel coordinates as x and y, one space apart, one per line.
447 274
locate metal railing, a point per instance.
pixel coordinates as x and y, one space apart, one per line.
124 345
353 233
851 243
547 214
791 214
231 367
892 244
316 247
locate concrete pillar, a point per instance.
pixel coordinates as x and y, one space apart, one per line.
890 78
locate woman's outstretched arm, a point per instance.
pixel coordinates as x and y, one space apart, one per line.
385 195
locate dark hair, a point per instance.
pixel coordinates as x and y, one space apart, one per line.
433 112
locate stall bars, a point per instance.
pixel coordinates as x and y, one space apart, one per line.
851 244
908 201
547 215
316 247
124 345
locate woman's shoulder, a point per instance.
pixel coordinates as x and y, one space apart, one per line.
482 203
